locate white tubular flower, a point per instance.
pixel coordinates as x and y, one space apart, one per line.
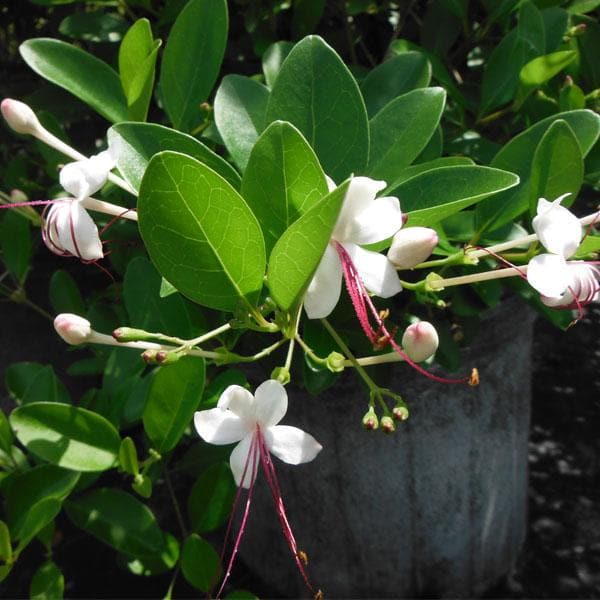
420 341
582 287
83 178
73 329
412 246
363 220
252 421
19 116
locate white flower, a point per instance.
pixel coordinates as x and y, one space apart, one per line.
83 178
247 419
363 220
560 232
582 287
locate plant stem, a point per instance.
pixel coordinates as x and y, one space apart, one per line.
378 359
110 209
178 514
440 284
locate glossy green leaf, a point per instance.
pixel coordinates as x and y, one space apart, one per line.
94 26
519 46
78 72
540 70
579 7
556 21
589 245
299 250
67 436
139 142
15 243
240 105
436 194
32 382
211 499
401 130
39 516
128 459
557 166
47 583
65 296
571 97
517 156
272 60
192 60
6 435
175 394
200 563
315 92
282 181
119 520
413 170
217 385
392 78
5 543
137 58
146 309
200 234
306 16
154 565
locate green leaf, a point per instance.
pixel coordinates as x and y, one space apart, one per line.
137 58
217 386
519 46
540 70
5 544
15 243
146 309
282 181
435 194
119 520
128 458
315 92
200 563
192 60
272 60
240 105
579 7
6 435
67 436
139 142
556 21
78 72
402 129
31 382
306 16
392 78
589 245
299 250
65 296
154 565
241 595
212 254
571 97
39 516
557 166
211 499
589 50
517 156
175 394
413 170
47 583
94 26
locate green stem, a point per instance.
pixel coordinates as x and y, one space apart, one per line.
232 357
178 514
309 351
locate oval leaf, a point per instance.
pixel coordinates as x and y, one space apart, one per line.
200 563
78 72
317 93
192 60
47 583
200 234
174 396
67 436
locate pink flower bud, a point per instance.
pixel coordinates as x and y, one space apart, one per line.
73 329
420 341
19 116
412 246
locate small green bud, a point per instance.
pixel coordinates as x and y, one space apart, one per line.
164 357
149 357
335 362
370 420
281 374
387 424
400 412
129 334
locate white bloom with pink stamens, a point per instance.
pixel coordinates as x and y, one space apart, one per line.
582 287
363 219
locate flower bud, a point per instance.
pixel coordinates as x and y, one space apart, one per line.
163 357
400 412
335 362
129 334
420 341
19 116
370 420
412 246
281 374
387 424
73 329
149 357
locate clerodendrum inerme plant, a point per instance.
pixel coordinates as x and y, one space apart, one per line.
243 248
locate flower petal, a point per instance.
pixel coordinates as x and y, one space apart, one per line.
240 402
548 274
83 178
240 461
325 287
271 403
376 271
218 426
359 197
291 444
73 230
557 227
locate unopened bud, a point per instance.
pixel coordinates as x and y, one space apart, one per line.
387 424
412 246
281 374
19 116
149 357
420 341
335 362
129 334
18 196
73 329
400 412
577 30
164 357
370 420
